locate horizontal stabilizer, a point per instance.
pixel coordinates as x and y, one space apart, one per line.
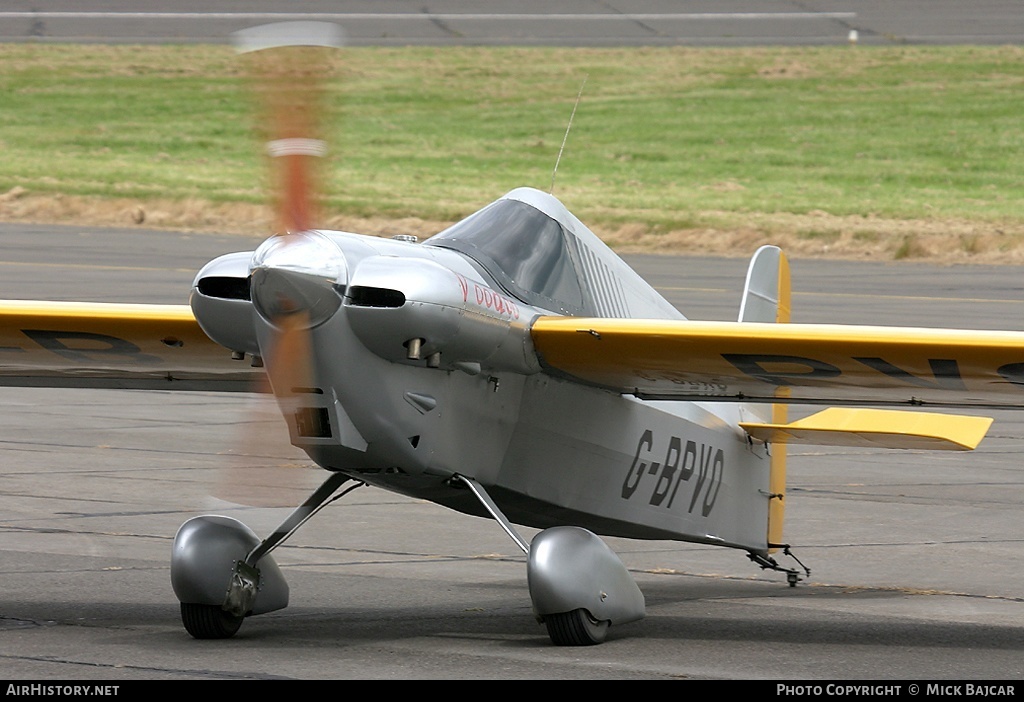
838 426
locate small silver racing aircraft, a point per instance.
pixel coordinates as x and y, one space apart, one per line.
514 368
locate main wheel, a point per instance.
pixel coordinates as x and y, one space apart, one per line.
575 628
209 621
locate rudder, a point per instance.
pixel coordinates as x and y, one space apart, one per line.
767 298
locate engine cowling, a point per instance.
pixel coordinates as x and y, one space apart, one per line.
411 310
221 303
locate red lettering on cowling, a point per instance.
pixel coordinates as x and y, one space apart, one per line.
485 297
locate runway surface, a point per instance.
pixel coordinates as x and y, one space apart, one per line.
915 556
532 22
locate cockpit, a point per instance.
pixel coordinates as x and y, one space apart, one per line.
524 250
536 251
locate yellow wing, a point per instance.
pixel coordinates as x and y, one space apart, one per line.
816 364
68 344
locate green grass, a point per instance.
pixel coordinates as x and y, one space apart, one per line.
662 136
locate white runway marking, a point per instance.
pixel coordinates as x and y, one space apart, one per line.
443 16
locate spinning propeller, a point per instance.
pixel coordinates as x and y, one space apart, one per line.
293 273
288 63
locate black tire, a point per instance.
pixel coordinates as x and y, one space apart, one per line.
209 621
575 628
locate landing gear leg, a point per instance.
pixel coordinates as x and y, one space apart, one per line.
768 563
578 586
221 572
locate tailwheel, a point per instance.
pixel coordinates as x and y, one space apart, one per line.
209 621
575 628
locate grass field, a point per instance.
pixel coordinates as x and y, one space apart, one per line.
882 152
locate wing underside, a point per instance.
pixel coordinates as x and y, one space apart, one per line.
66 344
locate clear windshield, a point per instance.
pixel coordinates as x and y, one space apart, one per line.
523 249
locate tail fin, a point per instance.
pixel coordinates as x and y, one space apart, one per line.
766 292
766 298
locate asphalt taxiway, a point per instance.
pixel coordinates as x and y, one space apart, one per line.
915 556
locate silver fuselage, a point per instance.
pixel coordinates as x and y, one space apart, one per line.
474 398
